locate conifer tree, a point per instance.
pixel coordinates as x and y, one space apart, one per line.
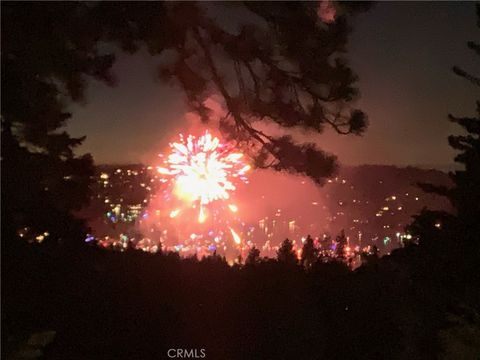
309 253
286 254
253 257
464 195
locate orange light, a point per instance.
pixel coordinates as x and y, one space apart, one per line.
174 213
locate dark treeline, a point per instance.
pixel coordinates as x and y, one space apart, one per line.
105 305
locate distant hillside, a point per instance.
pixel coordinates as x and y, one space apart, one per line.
371 203
379 180
379 200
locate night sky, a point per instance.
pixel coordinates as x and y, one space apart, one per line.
403 53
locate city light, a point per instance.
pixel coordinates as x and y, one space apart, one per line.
164 214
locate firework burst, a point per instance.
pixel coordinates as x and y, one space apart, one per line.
196 211
202 171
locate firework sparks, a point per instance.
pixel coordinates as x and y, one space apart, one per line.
174 213
201 215
202 171
236 237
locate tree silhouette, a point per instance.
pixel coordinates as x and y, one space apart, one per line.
464 195
47 52
370 258
446 259
309 253
341 243
286 254
281 65
253 257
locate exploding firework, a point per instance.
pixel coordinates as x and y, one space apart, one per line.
195 209
203 171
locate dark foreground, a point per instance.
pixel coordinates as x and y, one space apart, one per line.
107 305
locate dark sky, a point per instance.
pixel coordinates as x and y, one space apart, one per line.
403 53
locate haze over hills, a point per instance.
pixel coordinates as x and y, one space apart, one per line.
371 203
